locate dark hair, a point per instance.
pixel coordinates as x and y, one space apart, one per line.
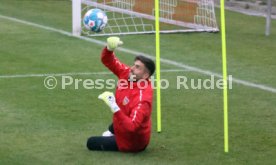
147 62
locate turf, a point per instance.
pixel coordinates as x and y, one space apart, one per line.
42 126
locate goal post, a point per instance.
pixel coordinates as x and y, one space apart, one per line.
138 16
76 17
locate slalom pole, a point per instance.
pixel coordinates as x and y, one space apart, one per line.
157 47
224 71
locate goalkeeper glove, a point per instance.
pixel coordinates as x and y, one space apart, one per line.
109 99
113 43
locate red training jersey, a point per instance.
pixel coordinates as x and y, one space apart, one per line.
132 123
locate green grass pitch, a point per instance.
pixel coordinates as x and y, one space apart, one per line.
42 126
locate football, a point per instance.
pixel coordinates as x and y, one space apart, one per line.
95 20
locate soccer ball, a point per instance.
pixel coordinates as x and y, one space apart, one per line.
95 20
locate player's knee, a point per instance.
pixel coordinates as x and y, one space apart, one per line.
91 143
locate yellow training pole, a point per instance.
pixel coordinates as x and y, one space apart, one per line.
224 70
157 47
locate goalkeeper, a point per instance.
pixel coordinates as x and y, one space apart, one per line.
131 105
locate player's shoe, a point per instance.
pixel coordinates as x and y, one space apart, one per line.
107 133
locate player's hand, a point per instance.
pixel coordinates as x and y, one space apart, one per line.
113 43
109 99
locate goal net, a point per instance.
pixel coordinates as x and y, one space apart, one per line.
137 16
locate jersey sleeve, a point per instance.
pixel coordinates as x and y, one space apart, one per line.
138 115
109 59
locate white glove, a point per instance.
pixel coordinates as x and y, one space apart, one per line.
109 99
113 43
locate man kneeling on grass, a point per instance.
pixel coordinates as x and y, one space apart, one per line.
131 105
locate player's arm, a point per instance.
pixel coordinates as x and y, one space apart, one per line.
138 114
131 123
109 59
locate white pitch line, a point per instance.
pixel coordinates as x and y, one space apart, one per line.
166 61
51 74
174 70
72 74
